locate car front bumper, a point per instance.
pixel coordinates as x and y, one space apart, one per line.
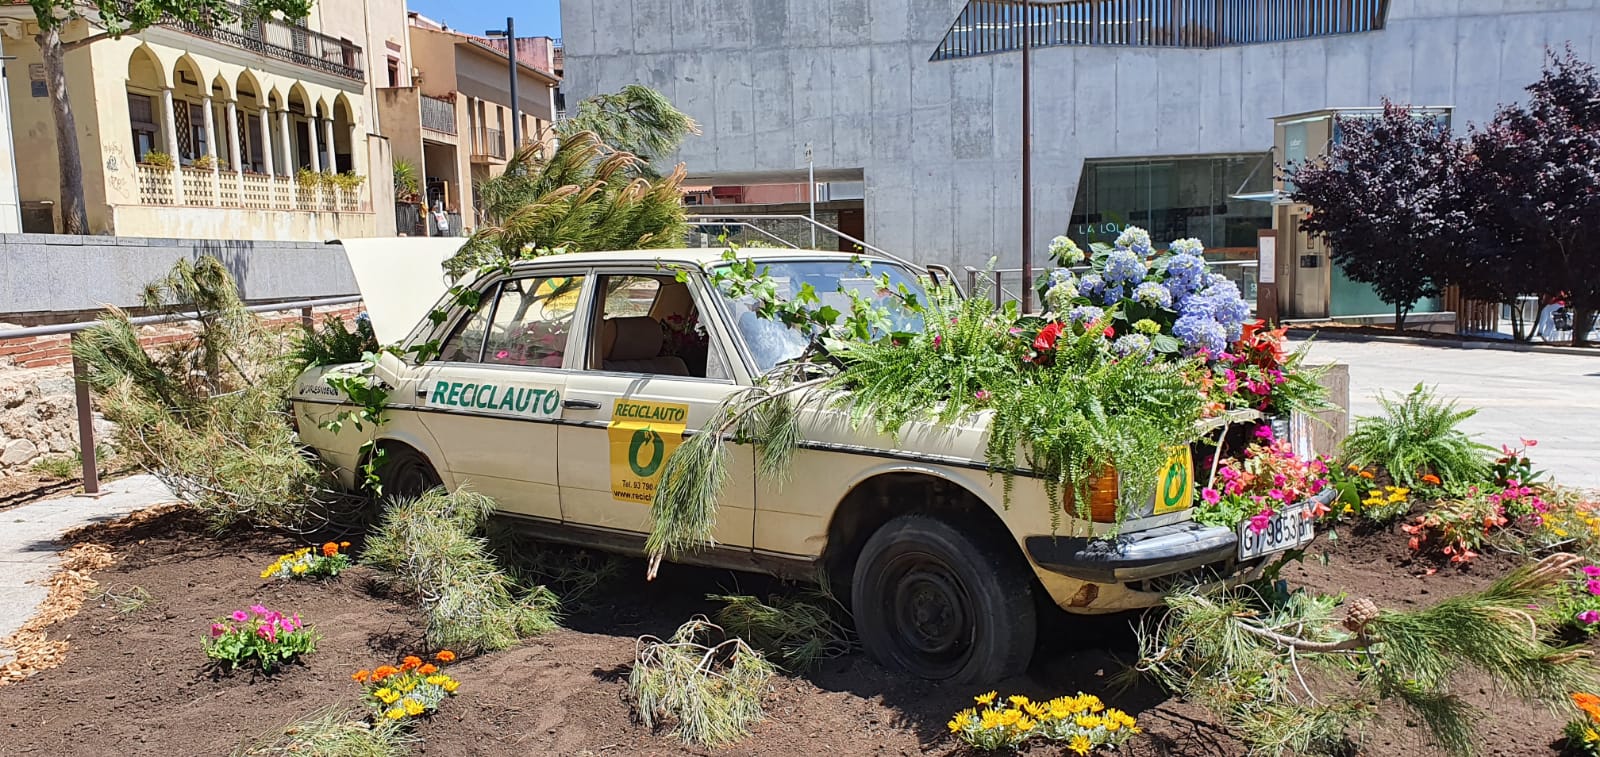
1143 555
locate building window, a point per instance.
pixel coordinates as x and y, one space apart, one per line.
146 133
198 137
1214 198
986 27
394 72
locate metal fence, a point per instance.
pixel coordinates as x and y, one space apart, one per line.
85 409
294 43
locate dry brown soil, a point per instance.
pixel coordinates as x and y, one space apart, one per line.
137 684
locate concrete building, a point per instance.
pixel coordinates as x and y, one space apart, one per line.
205 131
452 118
1151 114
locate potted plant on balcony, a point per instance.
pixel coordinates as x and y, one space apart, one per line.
157 159
204 163
306 178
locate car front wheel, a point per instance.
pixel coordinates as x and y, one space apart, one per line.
405 473
940 604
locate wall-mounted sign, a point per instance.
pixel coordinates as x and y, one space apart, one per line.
1267 265
38 89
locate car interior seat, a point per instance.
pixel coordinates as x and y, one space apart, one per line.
634 345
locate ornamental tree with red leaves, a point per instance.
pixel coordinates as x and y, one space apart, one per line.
1387 198
1534 177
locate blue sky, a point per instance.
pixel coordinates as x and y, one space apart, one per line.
535 18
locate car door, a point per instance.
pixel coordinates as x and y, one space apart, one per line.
493 397
654 367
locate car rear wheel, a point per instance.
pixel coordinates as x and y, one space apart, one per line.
405 473
940 604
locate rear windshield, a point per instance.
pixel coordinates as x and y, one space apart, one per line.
772 343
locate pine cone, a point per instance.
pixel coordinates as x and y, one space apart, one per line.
1358 613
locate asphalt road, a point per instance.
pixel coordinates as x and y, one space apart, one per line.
1552 398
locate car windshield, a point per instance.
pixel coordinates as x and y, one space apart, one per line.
772 343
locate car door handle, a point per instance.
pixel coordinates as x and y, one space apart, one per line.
580 405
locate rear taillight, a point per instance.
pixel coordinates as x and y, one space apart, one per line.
1103 497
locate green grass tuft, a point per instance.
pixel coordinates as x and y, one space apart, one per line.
801 631
430 546
332 732
708 684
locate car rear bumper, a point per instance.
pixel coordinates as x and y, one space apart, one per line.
1141 555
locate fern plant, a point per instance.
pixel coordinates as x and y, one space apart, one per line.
1418 435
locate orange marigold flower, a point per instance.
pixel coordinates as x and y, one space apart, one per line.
344 545
383 671
428 669
411 662
445 655
360 675
330 549
1432 479
1589 703
1366 474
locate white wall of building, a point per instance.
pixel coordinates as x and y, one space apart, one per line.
10 210
939 142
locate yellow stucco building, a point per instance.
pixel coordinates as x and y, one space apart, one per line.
205 131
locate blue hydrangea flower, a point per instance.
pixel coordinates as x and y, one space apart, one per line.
1188 246
1198 332
1060 276
1112 295
1130 344
1152 294
1085 314
1090 285
1134 239
1066 251
1185 275
1124 266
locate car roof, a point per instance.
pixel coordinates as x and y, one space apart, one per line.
698 257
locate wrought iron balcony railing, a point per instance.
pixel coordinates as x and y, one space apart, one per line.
287 42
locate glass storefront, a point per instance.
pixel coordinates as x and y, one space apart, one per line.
1174 198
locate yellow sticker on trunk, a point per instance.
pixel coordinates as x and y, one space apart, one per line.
643 435
1175 484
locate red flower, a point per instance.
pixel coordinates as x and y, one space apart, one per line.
1110 332
1046 340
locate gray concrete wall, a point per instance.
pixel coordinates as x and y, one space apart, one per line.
57 272
939 142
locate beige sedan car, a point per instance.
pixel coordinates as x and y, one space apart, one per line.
563 391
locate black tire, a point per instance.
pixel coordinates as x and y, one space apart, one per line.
405 473
937 603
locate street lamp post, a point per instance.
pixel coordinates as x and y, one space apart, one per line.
811 193
510 33
1026 295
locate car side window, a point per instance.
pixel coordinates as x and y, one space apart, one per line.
519 322
649 324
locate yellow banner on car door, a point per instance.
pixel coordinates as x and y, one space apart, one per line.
643 435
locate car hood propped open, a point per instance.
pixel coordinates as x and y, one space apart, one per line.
400 279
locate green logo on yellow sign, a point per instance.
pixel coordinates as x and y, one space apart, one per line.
658 452
1176 488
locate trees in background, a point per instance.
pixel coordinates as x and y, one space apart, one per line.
117 18
1534 174
1512 209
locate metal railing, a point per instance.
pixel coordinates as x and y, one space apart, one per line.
81 400
986 27
489 142
1241 272
284 41
438 114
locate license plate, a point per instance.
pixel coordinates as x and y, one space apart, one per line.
1289 528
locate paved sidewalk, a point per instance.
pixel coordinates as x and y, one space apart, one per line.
29 552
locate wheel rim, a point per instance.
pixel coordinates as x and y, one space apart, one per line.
929 613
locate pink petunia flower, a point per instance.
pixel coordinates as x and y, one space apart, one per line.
937 340
217 629
260 610
1264 432
1589 616
241 616
1592 571
1594 586
1260 521
1210 495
